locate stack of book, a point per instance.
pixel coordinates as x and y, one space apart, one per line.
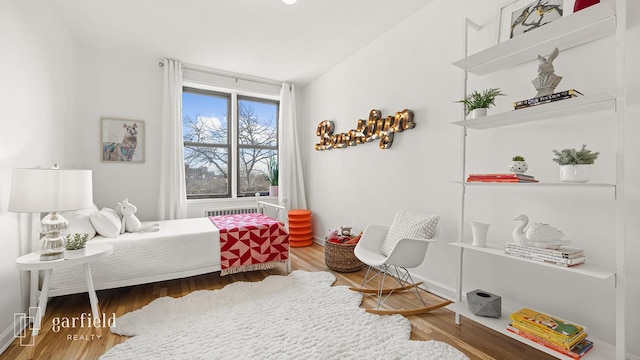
556 334
515 178
565 256
567 94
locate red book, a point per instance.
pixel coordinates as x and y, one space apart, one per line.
500 178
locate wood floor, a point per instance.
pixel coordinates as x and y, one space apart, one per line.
474 340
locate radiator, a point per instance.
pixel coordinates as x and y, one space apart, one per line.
234 211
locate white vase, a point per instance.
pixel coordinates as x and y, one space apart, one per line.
479 233
74 254
480 112
575 173
518 167
273 190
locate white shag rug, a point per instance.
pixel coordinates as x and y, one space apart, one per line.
299 316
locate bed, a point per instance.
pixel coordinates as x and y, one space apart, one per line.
183 248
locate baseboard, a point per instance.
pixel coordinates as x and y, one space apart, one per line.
7 337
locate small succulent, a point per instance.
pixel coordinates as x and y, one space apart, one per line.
575 157
479 100
517 158
75 242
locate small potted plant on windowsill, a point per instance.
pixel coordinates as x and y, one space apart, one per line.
273 176
575 165
477 103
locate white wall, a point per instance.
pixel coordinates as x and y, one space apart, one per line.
410 67
119 83
37 68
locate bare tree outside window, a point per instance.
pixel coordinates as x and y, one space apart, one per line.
207 146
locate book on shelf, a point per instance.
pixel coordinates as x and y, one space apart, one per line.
562 251
501 178
552 328
539 100
550 259
575 352
565 344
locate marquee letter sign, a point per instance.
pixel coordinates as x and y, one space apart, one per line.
367 130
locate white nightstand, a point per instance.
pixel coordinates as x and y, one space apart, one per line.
32 262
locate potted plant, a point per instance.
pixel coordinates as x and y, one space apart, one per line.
575 165
75 245
518 165
477 103
273 176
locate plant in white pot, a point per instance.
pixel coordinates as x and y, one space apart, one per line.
477 103
518 165
75 245
575 165
273 176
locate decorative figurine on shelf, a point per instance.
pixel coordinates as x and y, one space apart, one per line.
547 80
538 235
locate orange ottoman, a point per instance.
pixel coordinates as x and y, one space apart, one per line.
300 231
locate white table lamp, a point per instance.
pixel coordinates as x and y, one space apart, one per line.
40 190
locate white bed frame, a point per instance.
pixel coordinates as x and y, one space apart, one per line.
267 208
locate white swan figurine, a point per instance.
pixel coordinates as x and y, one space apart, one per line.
539 235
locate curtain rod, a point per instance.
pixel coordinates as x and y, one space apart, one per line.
235 76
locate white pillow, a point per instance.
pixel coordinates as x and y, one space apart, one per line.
412 226
107 222
79 221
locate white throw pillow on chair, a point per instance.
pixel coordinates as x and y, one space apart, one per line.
408 225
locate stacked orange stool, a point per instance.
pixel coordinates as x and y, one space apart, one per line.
300 231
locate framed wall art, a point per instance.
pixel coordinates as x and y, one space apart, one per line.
121 140
517 17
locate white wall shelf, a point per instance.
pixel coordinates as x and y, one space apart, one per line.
540 184
573 106
592 23
595 22
601 350
586 269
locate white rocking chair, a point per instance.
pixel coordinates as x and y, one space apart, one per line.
406 253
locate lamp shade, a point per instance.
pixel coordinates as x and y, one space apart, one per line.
48 190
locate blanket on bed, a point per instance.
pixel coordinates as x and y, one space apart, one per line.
250 242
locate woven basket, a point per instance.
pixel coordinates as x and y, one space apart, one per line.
340 258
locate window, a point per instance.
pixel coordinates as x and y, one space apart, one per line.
228 142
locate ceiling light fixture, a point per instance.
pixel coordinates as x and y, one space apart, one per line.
289 2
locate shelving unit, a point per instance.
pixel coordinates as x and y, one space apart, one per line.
590 24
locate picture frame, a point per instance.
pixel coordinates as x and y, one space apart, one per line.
121 140
513 12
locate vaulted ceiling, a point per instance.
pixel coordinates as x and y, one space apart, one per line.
262 38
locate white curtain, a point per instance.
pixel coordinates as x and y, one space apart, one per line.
172 202
291 181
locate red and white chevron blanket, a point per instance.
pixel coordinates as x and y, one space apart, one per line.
250 242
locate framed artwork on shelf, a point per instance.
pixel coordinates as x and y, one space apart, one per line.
517 17
121 140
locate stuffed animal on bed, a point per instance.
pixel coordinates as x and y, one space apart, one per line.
130 222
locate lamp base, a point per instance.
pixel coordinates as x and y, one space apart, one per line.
52 243
51 256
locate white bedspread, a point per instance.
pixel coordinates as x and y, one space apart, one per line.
181 248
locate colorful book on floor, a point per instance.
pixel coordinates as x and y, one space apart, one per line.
575 352
552 328
562 95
